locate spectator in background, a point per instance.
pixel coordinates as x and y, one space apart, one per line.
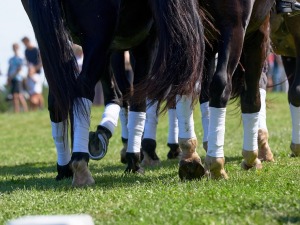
14 80
35 88
32 55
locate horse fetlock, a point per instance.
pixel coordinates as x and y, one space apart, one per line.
295 148
81 174
174 152
133 163
214 168
123 153
188 147
264 150
205 145
251 160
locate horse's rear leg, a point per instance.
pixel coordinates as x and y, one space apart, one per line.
190 166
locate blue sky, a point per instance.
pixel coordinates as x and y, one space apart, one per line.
14 24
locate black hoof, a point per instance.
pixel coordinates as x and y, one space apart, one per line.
191 170
98 142
149 146
174 151
64 172
133 166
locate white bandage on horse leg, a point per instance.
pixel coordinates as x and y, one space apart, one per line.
124 121
136 123
262 116
173 127
60 137
204 107
250 125
295 114
81 127
151 121
110 117
216 132
185 116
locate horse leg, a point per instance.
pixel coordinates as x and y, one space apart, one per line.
209 69
95 44
190 166
175 150
264 150
60 137
255 53
124 81
149 137
142 55
292 71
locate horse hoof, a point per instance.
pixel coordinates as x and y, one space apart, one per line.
133 166
264 150
295 148
148 161
191 169
251 160
174 152
214 168
98 142
64 172
82 176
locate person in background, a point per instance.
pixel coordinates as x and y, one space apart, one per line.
32 55
35 88
14 80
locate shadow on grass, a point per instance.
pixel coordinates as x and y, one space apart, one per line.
40 176
289 219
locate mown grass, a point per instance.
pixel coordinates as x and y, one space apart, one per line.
269 196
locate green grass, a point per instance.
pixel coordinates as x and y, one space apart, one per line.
269 196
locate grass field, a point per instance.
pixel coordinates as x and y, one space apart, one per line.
269 196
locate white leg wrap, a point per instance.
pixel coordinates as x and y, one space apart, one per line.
185 117
136 123
124 121
110 117
151 121
173 127
295 114
60 137
81 128
216 132
204 107
262 116
250 124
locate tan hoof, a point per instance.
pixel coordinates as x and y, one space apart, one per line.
214 168
251 160
82 176
190 166
147 161
264 150
205 145
295 148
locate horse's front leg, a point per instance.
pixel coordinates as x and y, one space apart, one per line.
255 52
142 55
292 71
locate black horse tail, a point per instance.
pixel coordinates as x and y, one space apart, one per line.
55 46
177 69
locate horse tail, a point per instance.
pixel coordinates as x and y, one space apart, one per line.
177 69
58 59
